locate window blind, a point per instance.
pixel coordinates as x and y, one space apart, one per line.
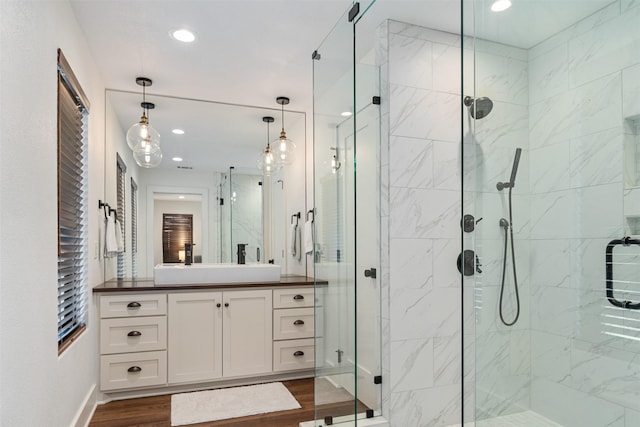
134 229
177 229
120 211
72 206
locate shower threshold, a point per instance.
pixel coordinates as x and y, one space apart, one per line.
520 419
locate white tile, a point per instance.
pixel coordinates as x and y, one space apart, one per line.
411 264
430 407
558 311
552 215
593 55
589 219
631 91
411 364
551 357
446 68
410 30
424 213
410 61
631 417
410 107
501 78
419 314
549 74
573 408
412 162
548 168
445 272
446 165
597 158
447 360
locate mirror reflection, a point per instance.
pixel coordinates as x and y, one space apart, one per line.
208 190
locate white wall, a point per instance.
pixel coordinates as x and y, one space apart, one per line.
37 387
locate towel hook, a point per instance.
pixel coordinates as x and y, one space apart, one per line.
296 216
312 212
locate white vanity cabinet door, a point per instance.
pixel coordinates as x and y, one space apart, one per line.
247 336
194 336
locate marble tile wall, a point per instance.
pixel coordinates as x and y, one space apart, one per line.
420 72
583 84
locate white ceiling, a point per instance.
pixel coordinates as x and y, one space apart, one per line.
251 51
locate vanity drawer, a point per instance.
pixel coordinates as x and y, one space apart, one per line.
293 323
132 370
293 355
133 305
127 335
293 297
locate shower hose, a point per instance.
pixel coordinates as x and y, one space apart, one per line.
508 228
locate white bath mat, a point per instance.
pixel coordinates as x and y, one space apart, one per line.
212 405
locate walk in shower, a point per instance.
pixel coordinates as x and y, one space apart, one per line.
505 182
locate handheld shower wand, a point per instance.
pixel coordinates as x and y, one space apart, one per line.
508 230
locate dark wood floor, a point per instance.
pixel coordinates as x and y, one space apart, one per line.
156 411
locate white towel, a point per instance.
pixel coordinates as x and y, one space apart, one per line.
110 242
299 243
294 237
119 236
308 236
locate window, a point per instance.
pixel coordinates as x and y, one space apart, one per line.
177 229
73 110
120 211
134 229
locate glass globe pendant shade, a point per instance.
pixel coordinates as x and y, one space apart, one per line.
285 149
268 162
141 133
148 156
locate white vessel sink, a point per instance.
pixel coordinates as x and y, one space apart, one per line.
180 274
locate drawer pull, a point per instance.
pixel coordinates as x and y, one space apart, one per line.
298 297
134 304
134 334
298 322
218 305
134 369
298 353
226 304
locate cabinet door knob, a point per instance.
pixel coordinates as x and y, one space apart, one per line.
298 297
218 305
298 353
298 322
226 304
134 369
134 334
134 304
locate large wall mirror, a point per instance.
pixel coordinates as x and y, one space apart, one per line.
207 190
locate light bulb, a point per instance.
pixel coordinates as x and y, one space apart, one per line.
500 5
148 156
142 133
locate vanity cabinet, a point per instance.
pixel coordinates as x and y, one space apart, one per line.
219 334
293 329
133 341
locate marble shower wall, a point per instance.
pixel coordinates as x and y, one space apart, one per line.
583 85
421 199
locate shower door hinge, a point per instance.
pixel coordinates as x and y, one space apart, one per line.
355 10
339 355
377 379
315 55
375 100
369 413
328 420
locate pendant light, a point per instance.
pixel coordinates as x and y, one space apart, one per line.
143 139
268 162
284 147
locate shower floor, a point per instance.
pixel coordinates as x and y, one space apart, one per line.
521 419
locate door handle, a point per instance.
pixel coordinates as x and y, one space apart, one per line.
372 273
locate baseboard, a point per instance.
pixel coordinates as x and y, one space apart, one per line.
86 410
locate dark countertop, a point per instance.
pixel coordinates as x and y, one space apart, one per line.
137 285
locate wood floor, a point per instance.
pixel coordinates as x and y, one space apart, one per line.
156 411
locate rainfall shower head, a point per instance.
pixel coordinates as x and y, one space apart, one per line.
479 107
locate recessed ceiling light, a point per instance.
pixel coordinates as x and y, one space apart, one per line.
500 5
183 35
178 131
346 114
177 159
180 197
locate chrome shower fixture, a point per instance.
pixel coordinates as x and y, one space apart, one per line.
479 108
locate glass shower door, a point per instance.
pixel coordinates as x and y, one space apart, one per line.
347 229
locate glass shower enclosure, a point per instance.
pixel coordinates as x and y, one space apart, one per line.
550 142
347 227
